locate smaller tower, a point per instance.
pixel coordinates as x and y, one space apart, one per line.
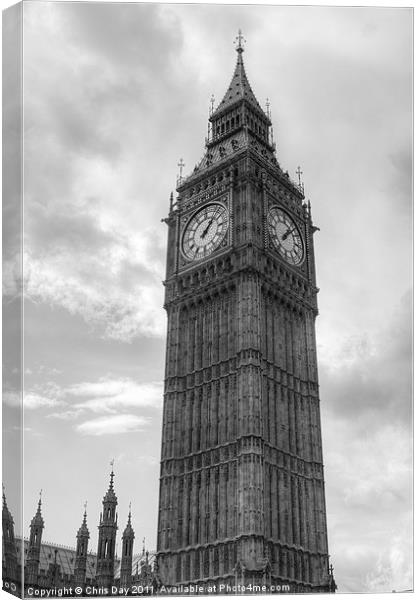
80 565
108 527
34 547
10 569
127 550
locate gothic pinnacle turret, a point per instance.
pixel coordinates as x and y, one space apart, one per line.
9 544
108 527
6 512
83 536
38 519
34 547
110 494
83 527
127 552
128 531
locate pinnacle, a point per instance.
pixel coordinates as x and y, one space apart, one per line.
6 511
239 88
38 512
128 531
83 527
110 495
38 519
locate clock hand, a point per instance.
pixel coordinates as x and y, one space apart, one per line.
204 233
287 233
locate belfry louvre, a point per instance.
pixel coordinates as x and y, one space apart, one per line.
241 484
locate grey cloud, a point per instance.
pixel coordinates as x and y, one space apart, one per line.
125 34
73 124
401 185
377 384
52 231
68 114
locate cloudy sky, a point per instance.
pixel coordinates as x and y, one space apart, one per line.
115 94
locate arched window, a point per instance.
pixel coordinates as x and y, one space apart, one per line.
225 561
216 561
197 565
206 562
179 568
187 567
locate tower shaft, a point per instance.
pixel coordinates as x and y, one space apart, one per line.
242 486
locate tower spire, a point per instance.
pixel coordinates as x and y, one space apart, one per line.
239 88
239 42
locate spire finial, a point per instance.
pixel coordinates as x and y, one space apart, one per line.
129 514
268 108
299 173
112 474
180 164
143 546
40 498
4 497
239 41
212 100
85 512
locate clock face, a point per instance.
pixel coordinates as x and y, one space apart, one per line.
285 236
205 231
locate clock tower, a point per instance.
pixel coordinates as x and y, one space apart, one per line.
241 484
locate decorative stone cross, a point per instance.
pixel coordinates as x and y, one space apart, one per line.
239 40
299 173
180 164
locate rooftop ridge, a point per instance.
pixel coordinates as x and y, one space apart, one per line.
47 543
